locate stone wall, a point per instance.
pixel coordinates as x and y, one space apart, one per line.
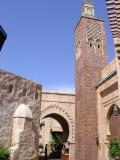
26 149
15 90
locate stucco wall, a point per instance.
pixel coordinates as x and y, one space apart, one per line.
107 96
62 104
15 90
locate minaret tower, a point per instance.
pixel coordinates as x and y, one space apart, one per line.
91 58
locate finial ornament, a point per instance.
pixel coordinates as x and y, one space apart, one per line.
88 1
88 8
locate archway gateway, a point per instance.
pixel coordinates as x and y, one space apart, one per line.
66 122
63 123
54 131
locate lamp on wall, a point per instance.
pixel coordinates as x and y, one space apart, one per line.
115 111
97 140
42 124
3 37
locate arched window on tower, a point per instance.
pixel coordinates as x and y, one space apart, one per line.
91 44
98 46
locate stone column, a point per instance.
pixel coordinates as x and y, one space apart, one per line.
72 151
23 135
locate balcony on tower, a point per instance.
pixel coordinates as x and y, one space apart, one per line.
88 8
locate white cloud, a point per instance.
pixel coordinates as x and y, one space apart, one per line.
60 88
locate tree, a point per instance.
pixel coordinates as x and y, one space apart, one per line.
55 139
4 153
114 147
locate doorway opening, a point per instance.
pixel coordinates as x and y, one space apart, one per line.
54 134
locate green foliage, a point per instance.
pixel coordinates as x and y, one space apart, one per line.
55 139
114 147
4 153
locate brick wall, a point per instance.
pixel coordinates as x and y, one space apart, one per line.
88 68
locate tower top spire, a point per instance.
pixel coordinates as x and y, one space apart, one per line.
88 8
88 1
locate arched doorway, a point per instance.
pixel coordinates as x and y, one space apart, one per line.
63 123
66 123
114 120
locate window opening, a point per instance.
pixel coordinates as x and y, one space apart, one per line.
24 92
10 88
36 96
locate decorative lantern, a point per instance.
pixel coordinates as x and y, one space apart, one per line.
3 37
115 111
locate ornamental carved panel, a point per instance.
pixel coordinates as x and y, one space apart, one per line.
94 30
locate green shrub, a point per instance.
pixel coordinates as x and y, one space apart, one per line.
114 147
55 139
4 153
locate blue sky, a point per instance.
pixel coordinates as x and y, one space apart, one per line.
40 43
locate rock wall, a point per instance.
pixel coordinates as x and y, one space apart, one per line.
15 90
26 143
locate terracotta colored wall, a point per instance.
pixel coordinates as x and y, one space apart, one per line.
88 68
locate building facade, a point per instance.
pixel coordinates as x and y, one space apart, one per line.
97 104
24 108
58 115
108 102
91 58
87 118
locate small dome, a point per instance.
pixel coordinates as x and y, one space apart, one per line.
23 111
